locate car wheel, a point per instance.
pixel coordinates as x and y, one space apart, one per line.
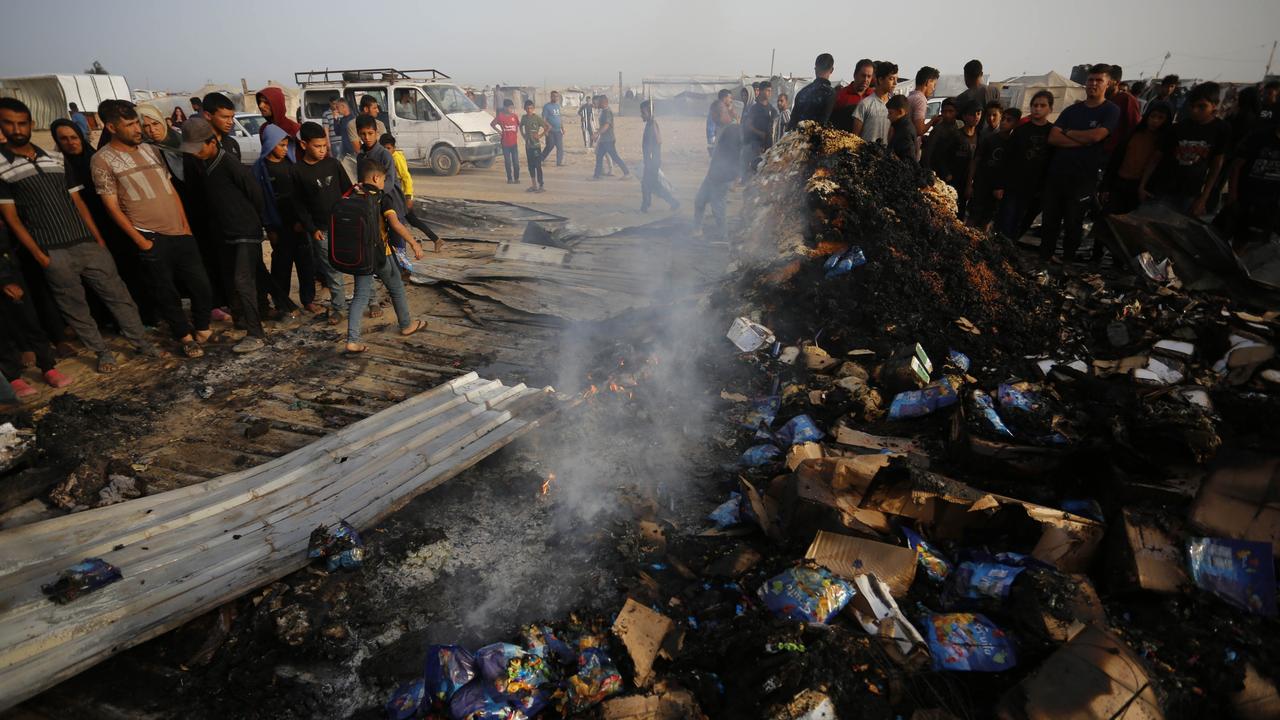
444 161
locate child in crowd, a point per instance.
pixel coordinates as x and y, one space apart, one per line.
987 165
953 156
508 124
1021 179
1120 188
534 129
289 247
388 141
372 181
319 180
1184 171
20 330
902 132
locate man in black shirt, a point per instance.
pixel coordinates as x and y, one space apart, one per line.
815 101
1021 178
757 129
319 181
1254 191
651 183
715 187
1187 167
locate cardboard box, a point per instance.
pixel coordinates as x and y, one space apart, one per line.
660 705
1258 699
849 557
1241 499
643 632
873 607
1081 606
1093 676
1151 558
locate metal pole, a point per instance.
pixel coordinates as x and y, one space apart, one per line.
1162 62
1270 57
773 54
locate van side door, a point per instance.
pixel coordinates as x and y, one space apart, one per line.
417 123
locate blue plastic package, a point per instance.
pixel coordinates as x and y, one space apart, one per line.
800 429
1241 572
1084 508
548 644
966 642
82 578
447 668
987 416
918 403
1012 398
958 360
935 565
406 700
729 513
340 548
806 594
758 455
474 702
976 580
513 675
762 411
597 679
841 263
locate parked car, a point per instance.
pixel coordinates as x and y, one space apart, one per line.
246 134
436 125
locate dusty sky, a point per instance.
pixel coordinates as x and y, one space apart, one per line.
172 45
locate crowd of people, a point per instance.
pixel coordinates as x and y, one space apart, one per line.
1107 154
162 208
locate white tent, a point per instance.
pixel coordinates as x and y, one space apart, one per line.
1018 91
49 95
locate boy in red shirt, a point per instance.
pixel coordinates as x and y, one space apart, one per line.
508 124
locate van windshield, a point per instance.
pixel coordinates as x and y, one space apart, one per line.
450 99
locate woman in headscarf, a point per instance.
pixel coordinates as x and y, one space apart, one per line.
157 132
76 155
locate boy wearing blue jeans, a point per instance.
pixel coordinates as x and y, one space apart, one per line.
372 179
318 182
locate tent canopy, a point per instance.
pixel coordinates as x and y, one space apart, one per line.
1018 91
49 95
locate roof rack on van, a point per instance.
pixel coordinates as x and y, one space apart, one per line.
365 75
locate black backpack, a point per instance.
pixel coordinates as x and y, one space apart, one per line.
356 246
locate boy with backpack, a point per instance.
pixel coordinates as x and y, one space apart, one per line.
360 228
319 182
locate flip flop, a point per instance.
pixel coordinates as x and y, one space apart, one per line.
359 349
415 327
107 365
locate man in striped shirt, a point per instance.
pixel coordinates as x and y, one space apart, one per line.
41 203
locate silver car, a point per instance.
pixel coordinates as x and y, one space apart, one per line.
246 134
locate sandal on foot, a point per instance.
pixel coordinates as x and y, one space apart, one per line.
107 364
356 348
414 327
21 389
203 336
56 379
192 350
374 311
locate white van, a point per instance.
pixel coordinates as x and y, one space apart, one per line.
435 124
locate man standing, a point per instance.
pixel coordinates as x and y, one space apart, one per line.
221 113
757 129
197 107
651 184
871 117
337 110
978 93
861 85
369 106
816 100
725 162
784 116
918 103
1080 137
1130 115
555 130
44 210
133 182
1269 106
606 142
720 116
534 129
586 117
80 120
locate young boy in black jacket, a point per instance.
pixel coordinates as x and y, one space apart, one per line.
20 330
988 167
319 181
236 207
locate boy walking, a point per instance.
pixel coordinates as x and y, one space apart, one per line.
651 145
606 140
534 128
508 124
388 143
372 184
319 181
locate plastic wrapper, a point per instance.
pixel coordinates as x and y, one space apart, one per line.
1030 415
597 679
758 455
548 644
976 580
406 700
447 669
986 417
935 565
840 263
958 361
966 642
762 411
1084 508
806 594
340 548
80 579
473 701
918 403
729 513
1240 572
513 675
800 429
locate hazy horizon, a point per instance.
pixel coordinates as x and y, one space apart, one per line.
578 43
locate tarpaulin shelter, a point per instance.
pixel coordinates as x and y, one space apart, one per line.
1018 91
49 95
692 95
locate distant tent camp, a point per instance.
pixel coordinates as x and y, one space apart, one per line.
1018 91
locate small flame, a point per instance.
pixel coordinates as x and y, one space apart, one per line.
546 484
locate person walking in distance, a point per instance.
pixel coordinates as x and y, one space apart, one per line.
652 182
555 129
606 142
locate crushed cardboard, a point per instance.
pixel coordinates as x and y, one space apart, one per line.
1241 499
850 557
643 633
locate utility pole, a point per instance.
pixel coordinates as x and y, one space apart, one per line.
1162 62
619 92
773 54
1270 57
